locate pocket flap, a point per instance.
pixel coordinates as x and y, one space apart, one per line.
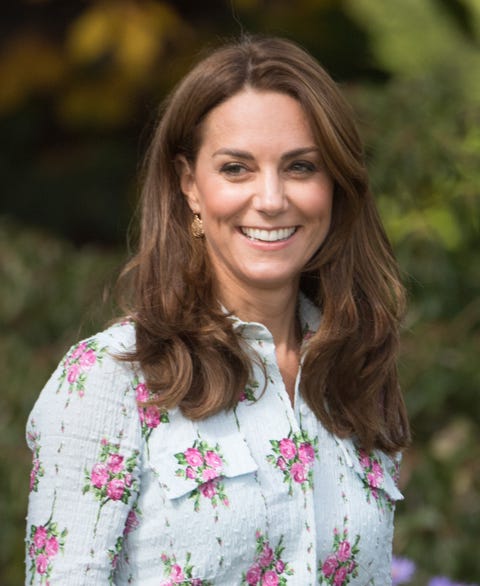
376 469
185 455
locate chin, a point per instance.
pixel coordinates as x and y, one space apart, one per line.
263 281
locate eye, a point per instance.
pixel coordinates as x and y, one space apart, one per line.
233 169
302 168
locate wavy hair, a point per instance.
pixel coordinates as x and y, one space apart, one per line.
185 344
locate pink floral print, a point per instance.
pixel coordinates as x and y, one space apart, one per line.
394 470
178 574
307 332
204 464
341 565
132 521
374 479
249 392
268 568
44 543
131 524
77 363
113 556
294 456
111 478
37 470
150 415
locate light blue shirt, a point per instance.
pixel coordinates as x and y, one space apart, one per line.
122 494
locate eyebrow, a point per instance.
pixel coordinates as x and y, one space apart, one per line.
238 154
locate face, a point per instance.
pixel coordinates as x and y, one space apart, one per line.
261 190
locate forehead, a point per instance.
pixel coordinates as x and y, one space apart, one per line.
253 116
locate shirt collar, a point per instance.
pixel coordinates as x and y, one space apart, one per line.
309 313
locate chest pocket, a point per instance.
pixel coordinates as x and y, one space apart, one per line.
377 471
196 457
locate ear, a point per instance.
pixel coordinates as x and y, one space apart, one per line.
186 177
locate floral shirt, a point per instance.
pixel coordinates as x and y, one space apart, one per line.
122 493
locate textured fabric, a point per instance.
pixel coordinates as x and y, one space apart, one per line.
122 494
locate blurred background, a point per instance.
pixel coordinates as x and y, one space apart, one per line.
80 84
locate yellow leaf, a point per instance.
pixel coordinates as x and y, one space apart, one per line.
28 64
102 103
92 33
132 34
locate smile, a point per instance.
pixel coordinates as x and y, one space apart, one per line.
268 235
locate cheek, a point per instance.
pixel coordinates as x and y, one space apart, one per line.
220 201
317 203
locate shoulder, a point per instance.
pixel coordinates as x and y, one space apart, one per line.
117 339
92 378
98 355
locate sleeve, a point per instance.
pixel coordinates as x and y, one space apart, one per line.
85 437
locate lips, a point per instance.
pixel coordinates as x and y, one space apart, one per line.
271 235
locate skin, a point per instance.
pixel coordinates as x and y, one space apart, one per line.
258 168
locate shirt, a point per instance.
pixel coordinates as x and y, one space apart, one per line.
122 493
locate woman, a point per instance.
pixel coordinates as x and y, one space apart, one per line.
242 425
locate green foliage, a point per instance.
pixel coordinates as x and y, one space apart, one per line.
423 134
408 37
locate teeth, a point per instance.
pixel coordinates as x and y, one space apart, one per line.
268 235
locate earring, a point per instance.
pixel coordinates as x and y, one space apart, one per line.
197 227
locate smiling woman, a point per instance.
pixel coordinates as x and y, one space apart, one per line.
250 394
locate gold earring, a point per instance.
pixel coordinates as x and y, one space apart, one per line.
197 227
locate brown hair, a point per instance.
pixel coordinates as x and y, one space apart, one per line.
186 346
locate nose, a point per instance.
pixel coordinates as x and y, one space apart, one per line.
270 197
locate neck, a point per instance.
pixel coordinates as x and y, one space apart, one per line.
274 308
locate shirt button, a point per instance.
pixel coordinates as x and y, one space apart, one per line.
304 410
